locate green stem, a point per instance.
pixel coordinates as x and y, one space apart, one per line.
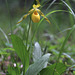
28 33
33 37
24 67
27 42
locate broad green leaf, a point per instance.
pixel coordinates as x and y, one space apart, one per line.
35 68
37 53
21 51
58 71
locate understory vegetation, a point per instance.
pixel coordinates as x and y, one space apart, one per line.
37 37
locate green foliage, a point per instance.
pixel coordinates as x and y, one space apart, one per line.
21 50
13 71
35 57
51 69
64 43
35 68
3 52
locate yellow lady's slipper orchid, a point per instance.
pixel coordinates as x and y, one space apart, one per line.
35 17
35 14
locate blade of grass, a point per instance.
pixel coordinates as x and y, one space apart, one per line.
63 45
64 30
54 22
28 33
72 22
8 49
43 3
50 4
70 16
4 35
69 8
9 15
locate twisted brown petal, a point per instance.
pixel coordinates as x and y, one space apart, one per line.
44 16
22 18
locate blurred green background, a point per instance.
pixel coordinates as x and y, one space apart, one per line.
50 36
12 10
